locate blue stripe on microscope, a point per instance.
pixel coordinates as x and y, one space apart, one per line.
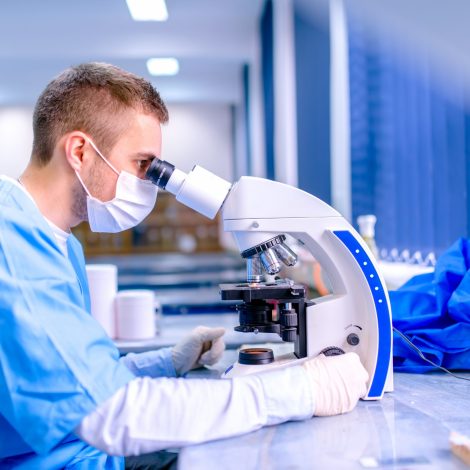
381 306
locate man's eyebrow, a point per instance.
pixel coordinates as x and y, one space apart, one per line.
146 155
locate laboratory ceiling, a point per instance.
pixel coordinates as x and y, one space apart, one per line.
212 39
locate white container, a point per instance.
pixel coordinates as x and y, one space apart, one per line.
102 281
135 314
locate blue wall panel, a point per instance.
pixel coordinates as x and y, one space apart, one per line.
247 114
267 65
312 56
409 147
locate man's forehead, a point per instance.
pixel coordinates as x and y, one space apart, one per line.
142 136
146 119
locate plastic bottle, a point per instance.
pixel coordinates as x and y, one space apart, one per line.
367 231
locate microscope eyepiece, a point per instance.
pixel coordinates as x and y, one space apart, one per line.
160 172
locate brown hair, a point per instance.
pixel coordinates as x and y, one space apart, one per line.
91 98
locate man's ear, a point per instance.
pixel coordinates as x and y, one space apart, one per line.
74 145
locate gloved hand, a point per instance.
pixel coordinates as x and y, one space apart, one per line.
337 382
202 347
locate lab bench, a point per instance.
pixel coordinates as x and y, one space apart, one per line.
408 429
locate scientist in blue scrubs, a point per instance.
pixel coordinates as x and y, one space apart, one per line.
66 398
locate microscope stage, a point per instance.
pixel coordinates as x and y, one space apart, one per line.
280 290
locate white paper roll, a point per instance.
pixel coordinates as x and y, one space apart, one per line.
135 314
102 281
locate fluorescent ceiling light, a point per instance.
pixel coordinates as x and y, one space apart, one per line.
163 66
148 10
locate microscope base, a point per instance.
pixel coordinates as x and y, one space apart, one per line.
238 370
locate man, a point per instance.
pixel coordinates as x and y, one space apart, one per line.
66 399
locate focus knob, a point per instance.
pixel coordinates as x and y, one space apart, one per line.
353 339
332 351
289 335
288 318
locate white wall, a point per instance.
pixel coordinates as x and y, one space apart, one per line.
197 134
16 139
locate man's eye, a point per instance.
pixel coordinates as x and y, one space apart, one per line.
143 164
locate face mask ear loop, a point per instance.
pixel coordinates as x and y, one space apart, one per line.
83 184
102 156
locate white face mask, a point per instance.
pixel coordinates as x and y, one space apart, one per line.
134 200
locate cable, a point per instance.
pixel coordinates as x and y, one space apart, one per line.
421 355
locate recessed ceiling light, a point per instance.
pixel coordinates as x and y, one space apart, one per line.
163 66
148 10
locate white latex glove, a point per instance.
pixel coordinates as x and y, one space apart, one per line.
337 383
202 347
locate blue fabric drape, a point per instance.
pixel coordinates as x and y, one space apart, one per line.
433 310
409 146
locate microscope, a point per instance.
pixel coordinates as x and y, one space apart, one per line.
262 214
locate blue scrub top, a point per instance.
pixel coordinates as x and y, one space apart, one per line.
56 362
